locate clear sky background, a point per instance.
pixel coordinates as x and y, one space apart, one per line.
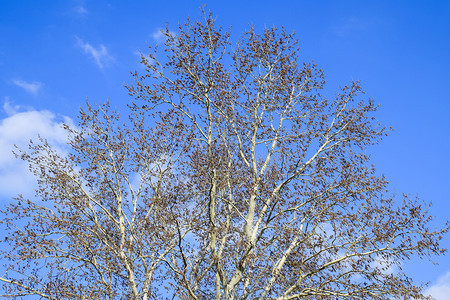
55 54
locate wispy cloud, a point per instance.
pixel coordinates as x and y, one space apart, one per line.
30 87
10 108
80 10
17 129
351 25
140 55
159 36
100 54
441 289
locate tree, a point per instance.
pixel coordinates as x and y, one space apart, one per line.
233 178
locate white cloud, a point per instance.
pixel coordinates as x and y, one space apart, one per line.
17 129
441 289
99 54
30 87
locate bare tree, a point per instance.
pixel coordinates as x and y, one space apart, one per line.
234 178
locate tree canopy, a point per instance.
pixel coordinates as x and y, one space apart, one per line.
232 178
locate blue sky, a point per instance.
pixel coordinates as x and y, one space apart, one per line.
55 54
